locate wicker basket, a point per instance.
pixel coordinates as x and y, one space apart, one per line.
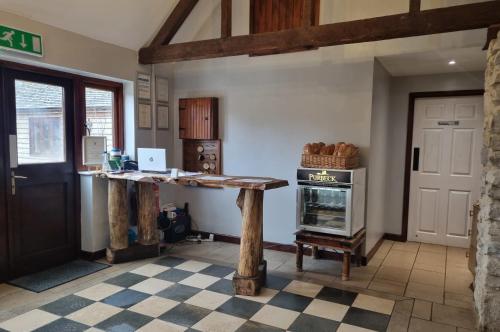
325 161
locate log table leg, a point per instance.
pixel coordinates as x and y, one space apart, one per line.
250 276
147 232
346 267
315 252
118 216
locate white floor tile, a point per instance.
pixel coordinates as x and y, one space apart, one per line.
29 321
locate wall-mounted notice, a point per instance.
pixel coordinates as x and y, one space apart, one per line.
145 117
93 148
162 89
20 41
144 86
162 115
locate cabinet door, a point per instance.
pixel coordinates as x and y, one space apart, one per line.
198 118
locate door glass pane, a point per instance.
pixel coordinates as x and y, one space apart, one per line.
99 107
324 207
40 123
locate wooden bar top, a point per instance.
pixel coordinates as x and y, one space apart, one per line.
201 180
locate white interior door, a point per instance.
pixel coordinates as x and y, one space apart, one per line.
446 169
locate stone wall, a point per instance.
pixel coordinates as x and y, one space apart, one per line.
487 282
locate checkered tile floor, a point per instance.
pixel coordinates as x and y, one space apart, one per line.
174 294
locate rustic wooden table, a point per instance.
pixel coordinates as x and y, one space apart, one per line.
347 245
251 272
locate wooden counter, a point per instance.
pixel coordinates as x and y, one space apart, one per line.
251 272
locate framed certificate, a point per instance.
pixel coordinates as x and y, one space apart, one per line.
144 86
161 90
145 116
92 149
162 115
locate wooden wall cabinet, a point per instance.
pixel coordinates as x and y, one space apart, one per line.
199 118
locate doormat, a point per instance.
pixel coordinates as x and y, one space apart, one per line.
53 277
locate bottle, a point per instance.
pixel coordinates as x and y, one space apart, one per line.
105 159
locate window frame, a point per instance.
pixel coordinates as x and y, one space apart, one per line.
118 115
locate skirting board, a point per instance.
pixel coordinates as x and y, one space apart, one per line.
291 248
394 237
92 256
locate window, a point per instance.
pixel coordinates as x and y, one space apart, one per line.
103 114
39 123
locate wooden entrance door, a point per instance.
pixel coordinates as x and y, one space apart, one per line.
40 171
446 169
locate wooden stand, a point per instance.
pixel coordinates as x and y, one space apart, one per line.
251 274
147 238
347 245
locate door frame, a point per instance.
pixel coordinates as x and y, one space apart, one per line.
409 143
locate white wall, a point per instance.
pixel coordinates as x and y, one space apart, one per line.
379 155
401 87
268 111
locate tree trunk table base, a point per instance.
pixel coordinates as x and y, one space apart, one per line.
132 253
347 245
250 286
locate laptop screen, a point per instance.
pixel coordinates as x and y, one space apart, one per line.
152 159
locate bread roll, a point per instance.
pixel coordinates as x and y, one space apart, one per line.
307 149
324 150
316 147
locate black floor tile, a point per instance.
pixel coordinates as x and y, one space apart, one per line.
217 271
124 321
275 282
179 292
337 296
250 326
67 305
126 280
174 275
185 315
223 286
125 298
63 324
290 301
308 323
240 307
367 319
170 261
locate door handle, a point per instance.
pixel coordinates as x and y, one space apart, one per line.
13 181
20 177
416 158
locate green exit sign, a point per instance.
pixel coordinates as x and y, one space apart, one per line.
20 41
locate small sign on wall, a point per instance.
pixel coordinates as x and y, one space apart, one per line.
93 149
20 41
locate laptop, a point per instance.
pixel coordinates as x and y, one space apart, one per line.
152 160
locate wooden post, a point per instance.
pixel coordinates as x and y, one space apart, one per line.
248 279
118 214
315 252
146 212
346 267
300 256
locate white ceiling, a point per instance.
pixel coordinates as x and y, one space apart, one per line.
435 62
127 23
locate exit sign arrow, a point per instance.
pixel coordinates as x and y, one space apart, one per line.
20 41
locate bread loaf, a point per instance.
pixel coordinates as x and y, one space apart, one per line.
327 150
307 149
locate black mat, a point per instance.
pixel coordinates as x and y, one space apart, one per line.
53 277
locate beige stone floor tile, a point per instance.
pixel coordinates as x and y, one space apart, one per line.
327 309
431 258
374 303
29 321
192 266
150 270
401 259
420 325
94 313
406 246
435 248
459 300
458 284
6 289
303 288
393 273
425 292
159 325
356 280
265 295
99 291
208 299
427 277
401 314
199 280
153 306
344 327
151 285
388 286
376 261
459 317
440 268
422 309
217 321
274 316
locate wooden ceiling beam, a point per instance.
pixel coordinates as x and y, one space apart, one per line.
414 6
433 21
226 18
174 22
